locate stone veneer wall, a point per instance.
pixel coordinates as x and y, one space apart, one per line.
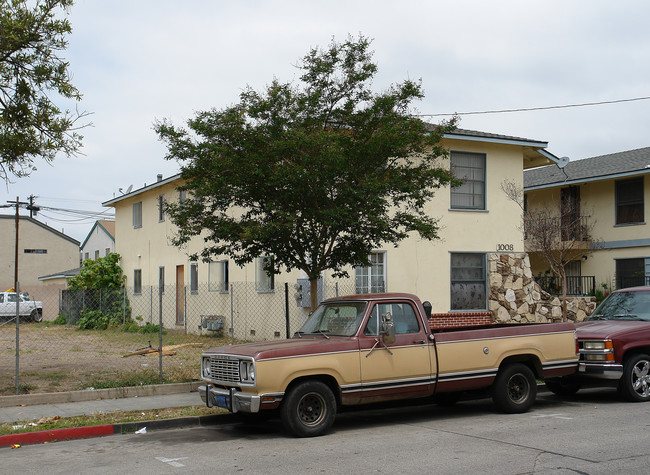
516 297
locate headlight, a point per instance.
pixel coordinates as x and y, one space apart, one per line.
205 367
594 345
247 371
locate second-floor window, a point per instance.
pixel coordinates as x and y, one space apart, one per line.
161 208
137 214
470 169
629 201
97 254
371 279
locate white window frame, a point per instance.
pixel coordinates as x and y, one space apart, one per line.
474 182
137 214
372 279
467 275
264 282
137 281
218 276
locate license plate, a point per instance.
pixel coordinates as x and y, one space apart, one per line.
222 401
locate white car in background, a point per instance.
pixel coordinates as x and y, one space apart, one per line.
28 309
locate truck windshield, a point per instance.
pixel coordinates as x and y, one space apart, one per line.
624 306
335 319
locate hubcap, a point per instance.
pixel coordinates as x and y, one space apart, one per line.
641 378
518 388
312 409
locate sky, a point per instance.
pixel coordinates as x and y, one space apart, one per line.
137 62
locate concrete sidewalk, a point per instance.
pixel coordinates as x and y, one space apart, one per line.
79 408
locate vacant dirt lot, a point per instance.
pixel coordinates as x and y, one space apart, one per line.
59 358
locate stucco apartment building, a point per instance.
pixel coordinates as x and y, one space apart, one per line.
42 251
610 192
477 267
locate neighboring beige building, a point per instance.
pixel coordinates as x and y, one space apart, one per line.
42 251
100 241
463 272
610 192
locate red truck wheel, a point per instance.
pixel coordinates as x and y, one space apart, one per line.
635 383
514 388
309 409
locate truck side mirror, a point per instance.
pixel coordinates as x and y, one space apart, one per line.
387 328
427 308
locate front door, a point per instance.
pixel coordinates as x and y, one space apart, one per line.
180 295
399 369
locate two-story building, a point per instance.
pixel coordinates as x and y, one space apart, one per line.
100 241
478 265
609 192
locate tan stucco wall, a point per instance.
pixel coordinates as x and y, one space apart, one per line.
597 200
62 254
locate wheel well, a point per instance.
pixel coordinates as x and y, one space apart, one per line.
630 352
326 379
531 361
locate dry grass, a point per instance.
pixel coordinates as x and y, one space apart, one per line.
59 358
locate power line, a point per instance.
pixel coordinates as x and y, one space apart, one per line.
529 109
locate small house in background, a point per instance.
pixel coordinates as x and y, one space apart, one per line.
100 241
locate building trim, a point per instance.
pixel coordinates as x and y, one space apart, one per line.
141 190
623 244
579 181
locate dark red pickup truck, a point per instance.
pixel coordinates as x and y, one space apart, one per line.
614 347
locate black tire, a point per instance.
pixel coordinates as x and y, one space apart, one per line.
514 388
36 316
308 409
563 386
635 383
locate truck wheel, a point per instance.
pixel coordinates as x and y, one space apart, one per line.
36 316
514 389
309 409
635 382
562 386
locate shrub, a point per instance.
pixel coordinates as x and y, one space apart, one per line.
60 320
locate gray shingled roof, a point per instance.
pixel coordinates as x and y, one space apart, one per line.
605 166
487 135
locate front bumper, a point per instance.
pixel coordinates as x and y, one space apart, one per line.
600 371
231 399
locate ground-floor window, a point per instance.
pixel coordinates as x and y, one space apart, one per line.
632 272
371 279
264 278
468 281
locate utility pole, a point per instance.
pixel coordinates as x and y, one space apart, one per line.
17 291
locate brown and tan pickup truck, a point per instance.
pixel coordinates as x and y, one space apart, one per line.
369 348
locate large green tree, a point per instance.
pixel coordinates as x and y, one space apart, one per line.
315 174
32 74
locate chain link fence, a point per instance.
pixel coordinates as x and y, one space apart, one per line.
128 337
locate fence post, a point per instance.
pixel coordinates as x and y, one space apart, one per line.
232 324
286 309
17 289
160 333
336 287
123 305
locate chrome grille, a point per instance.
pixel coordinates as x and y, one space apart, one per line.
224 369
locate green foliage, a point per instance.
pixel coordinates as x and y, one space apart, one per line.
101 273
316 175
98 320
32 67
60 320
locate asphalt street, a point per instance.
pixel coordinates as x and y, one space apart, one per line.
592 433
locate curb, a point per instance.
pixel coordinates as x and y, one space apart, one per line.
55 435
91 395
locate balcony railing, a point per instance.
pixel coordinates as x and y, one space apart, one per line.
575 284
570 228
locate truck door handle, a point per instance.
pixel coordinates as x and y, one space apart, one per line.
420 342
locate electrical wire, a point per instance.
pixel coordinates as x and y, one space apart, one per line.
529 109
